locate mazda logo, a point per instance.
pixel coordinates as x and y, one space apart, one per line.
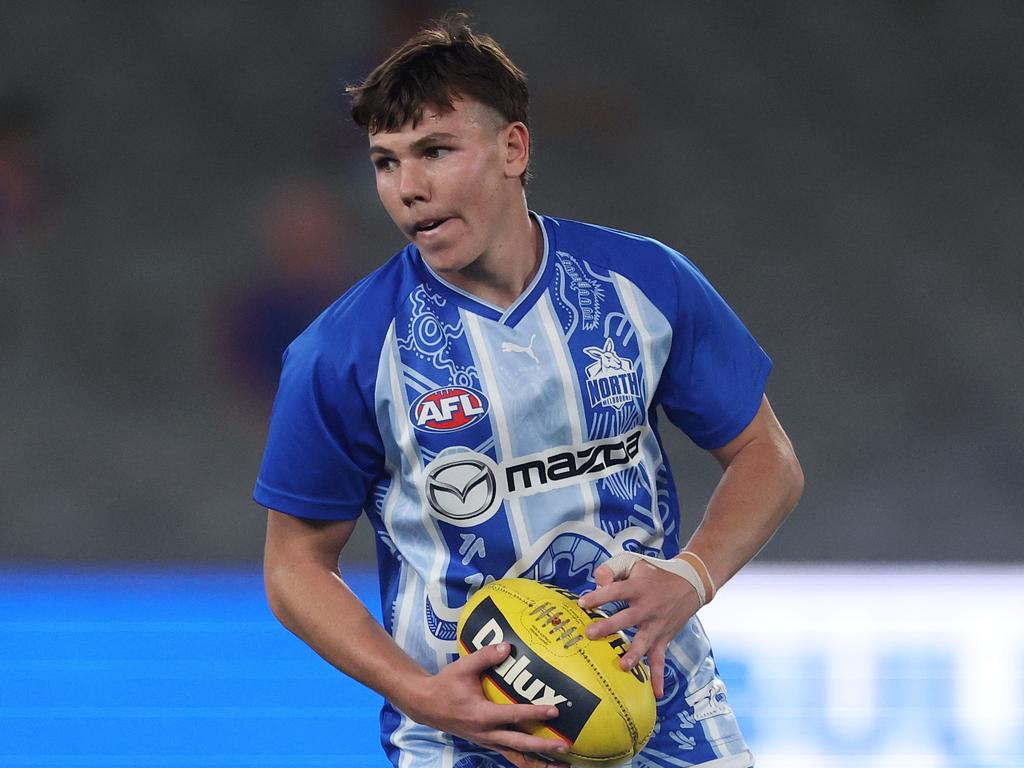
462 490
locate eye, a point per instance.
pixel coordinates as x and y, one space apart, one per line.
435 153
385 164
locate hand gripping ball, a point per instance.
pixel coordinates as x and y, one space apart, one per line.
605 714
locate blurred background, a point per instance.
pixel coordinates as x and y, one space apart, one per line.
181 191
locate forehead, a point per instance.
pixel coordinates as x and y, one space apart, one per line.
466 119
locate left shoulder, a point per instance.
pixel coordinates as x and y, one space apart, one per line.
662 273
604 245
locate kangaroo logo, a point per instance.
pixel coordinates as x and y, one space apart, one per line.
508 346
709 701
611 380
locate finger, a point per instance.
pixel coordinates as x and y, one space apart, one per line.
616 590
520 760
517 741
603 575
483 659
656 661
624 619
638 648
514 714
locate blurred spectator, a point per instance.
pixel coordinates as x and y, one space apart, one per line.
21 175
338 143
303 233
26 200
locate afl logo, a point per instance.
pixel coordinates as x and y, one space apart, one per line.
448 409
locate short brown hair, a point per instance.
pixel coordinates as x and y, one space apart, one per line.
443 61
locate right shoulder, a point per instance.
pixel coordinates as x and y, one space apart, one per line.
324 448
354 327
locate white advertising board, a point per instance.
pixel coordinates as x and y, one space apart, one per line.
875 667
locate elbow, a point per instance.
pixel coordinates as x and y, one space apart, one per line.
794 474
798 481
274 586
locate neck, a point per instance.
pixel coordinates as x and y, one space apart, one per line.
501 275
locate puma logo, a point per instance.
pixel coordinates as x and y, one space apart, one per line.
508 346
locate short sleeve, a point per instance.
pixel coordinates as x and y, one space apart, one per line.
323 450
715 375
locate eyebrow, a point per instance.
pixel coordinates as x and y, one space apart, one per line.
418 145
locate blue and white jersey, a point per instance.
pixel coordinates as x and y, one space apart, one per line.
484 443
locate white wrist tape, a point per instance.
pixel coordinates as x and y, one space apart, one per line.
623 563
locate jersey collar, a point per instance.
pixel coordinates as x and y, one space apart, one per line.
515 312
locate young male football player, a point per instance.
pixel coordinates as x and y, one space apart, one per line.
487 398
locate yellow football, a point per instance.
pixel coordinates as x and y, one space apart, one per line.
604 713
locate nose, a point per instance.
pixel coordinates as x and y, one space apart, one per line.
414 185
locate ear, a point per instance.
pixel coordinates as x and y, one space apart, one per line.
609 345
517 149
594 352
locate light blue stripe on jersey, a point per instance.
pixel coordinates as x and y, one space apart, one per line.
655 335
416 744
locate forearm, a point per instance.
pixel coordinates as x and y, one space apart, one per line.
308 596
314 603
760 486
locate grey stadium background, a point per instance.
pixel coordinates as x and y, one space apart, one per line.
849 175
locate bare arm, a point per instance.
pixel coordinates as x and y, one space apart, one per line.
309 597
760 485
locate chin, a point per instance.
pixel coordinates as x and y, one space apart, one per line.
445 262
